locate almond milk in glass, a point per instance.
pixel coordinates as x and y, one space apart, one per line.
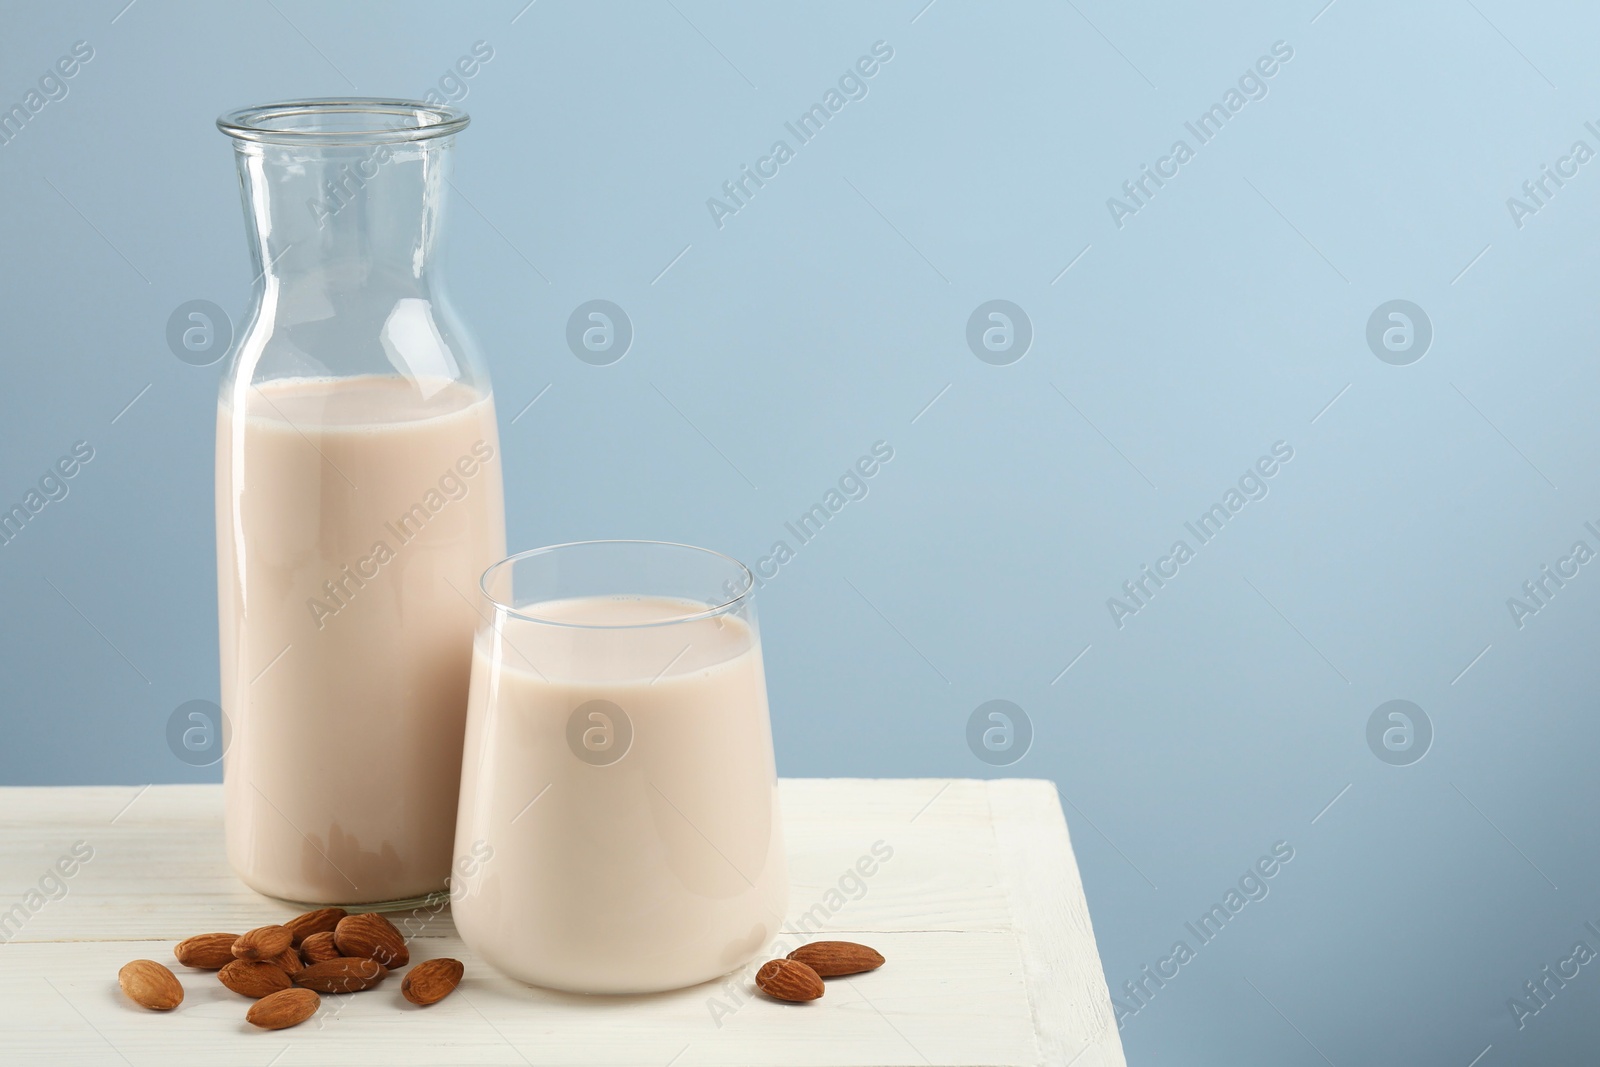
619 827
358 499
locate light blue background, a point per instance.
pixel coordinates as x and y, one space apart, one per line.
826 315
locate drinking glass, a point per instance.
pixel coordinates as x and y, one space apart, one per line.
618 829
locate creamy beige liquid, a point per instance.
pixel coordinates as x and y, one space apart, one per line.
659 870
354 517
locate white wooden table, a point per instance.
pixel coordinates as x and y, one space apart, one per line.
980 911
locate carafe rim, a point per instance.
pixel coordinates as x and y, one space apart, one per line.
343 121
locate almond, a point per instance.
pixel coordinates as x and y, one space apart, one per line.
262 943
323 920
253 978
347 974
788 980
206 951
288 961
150 985
285 1008
372 936
431 981
318 947
832 958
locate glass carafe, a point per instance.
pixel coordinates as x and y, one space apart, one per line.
359 497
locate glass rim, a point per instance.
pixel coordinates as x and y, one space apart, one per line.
722 608
285 122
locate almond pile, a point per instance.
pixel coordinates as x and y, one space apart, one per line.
798 977
284 968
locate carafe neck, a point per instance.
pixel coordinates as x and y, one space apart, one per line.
334 228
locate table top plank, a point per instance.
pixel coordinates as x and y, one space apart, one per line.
980 911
